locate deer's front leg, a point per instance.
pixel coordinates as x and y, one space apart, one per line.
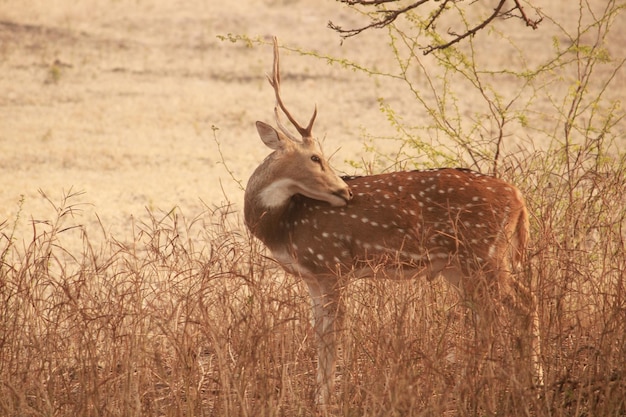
327 314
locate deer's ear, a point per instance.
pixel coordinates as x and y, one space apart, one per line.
271 137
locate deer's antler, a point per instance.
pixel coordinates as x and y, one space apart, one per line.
305 132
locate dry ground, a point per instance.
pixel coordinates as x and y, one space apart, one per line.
121 99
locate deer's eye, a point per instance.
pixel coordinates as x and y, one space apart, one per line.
316 159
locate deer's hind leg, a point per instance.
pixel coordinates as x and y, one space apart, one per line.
520 317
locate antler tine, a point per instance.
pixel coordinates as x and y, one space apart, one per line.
306 133
282 127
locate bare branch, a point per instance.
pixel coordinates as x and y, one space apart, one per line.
460 37
389 16
438 13
529 22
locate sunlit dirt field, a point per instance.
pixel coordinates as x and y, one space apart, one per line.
127 101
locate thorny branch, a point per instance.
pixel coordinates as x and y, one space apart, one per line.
388 15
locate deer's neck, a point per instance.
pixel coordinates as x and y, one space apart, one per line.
267 224
266 215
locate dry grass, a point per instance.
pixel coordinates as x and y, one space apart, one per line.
157 326
579 260
191 318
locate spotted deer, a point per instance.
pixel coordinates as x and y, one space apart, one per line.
456 223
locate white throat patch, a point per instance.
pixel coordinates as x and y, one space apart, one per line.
277 193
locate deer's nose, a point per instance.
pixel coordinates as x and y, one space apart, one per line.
345 193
